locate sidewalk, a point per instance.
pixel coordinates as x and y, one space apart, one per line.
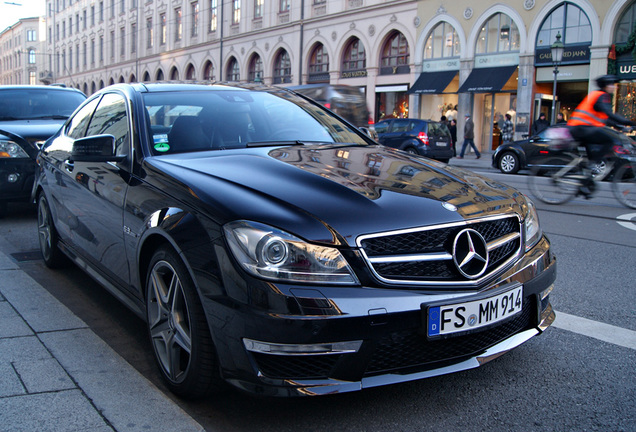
57 375
470 162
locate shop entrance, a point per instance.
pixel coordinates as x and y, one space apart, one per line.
495 107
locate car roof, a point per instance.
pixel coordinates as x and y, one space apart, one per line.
39 87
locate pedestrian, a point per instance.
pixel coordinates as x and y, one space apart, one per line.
560 118
540 124
469 137
508 129
452 128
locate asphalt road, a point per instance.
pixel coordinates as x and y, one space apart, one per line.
579 375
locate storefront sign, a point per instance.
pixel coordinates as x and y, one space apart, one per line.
566 73
318 77
571 55
496 60
440 65
354 74
626 67
395 70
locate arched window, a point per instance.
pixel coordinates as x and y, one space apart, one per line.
31 56
146 77
110 82
498 35
121 79
93 87
208 71
442 42
101 84
282 68
174 74
625 25
233 72
319 64
570 22
395 55
355 57
132 78
190 73
159 76
85 89
255 71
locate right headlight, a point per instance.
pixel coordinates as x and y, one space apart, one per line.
273 254
9 149
531 226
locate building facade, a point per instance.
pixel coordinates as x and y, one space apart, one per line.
410 58
21 52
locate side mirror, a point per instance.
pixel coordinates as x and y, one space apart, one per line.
97 148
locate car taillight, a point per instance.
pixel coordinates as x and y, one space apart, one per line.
620 150
328 105
423 137
370 121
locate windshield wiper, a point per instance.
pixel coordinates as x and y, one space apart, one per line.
273 143
50 116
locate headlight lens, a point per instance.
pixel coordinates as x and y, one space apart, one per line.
273 254
9 149
533 231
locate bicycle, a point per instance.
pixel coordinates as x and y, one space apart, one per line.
559 184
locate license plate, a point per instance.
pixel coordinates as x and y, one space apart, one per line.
441 144
461 317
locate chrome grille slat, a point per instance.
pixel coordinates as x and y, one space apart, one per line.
422 256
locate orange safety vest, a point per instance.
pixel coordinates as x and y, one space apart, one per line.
586 115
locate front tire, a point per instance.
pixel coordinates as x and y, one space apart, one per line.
47 236
550 188
624 185
178 330
509 163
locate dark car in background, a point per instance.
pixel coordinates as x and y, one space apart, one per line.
427 138
270 245
539 151
28 116
346 101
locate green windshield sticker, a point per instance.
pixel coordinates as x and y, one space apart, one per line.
162 147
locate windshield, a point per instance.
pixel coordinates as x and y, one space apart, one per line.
234 118
33 104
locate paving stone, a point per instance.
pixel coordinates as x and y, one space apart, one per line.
67 410
43 376
11 324
10 384
23 348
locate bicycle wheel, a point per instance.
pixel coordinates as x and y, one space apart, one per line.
555 185
624 185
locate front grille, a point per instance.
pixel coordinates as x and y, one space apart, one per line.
296 367
424 255
410 349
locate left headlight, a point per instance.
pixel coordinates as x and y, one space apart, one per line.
9 149
531 226
273 254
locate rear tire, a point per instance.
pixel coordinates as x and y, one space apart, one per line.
624 185
509 163
552 190
178 329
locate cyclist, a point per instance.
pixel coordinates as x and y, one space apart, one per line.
587 123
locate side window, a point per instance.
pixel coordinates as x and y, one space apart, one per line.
400 126
76 128
111 118
382 127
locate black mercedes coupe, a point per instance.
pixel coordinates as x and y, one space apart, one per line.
269 244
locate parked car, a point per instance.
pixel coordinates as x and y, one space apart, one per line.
346 101
538 151
272 246
424 137
28 116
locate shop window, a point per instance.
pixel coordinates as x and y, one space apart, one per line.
625 25
442 42
318 65
570 22
255 70
233 71
282 68
499 34
395 55
354 61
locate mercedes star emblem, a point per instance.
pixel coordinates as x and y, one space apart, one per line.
470 253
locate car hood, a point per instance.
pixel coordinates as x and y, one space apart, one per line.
332 193
31 130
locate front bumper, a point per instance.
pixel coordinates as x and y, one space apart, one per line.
16 179
375 336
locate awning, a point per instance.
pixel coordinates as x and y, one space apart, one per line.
487 80
433 82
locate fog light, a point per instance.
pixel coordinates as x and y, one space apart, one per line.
12 178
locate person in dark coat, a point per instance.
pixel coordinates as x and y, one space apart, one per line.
540 124
452 128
